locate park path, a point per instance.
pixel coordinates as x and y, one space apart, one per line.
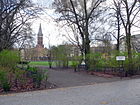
113 93
69 78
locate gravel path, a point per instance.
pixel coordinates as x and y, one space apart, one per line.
113 93
69 78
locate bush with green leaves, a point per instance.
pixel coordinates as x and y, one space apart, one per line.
75 61
96 61
9 73
4 80
9 58
99 60
136 61
19 76
112 62
61 54
38 75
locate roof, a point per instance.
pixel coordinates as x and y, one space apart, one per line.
40 31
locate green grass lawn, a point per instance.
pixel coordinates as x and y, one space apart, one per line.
42 63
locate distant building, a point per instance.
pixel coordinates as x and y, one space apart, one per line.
38 52
135 43
40 38
73 50
103 49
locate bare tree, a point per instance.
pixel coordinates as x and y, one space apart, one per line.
74 39
117 10
13 18
116 22
129 14
80 13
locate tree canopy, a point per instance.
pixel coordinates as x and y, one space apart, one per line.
14 18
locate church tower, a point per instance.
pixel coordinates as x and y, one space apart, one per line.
40 38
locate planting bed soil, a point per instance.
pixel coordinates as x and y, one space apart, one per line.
28 86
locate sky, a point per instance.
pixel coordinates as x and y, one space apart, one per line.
53 33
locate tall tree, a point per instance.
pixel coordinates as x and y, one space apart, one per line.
74 39
14 15
117 22
129 15
80 13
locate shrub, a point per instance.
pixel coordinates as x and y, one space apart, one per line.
9 58
62 60
38 75
4 80
19 76
98 61
75 62
95 60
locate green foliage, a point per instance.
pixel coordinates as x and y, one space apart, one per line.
136 61
43 63
10 75
74 64
96 61
9 58
76 60
19 75
61 53
38 75
32 69
4 80
99 60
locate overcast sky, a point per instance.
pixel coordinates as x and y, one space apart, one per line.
50 28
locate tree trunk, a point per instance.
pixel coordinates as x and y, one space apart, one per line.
128 41
118 36
87 50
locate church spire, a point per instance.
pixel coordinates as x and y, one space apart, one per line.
40 31
40 37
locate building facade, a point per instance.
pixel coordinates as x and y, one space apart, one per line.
40 38
38 52
135 43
